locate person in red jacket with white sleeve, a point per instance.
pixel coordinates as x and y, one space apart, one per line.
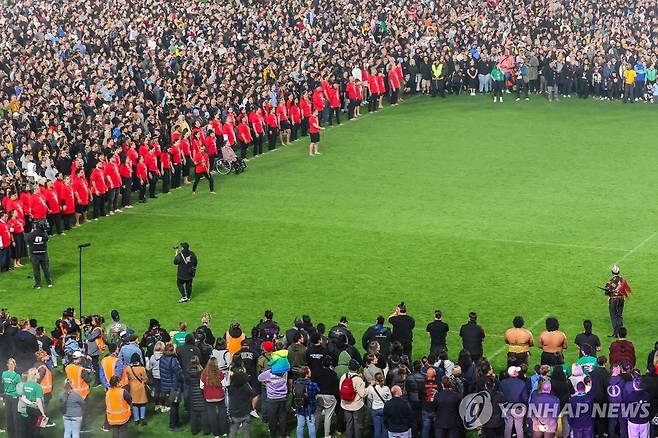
202 169
5 242
54 209
98 190
142 178
394 83
38 206
17 227
82 194
67 199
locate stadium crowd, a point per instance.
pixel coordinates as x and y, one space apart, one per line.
100 99
309 372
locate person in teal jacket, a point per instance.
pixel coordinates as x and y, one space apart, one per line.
498 77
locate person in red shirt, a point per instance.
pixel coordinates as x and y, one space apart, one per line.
351 89
257 125
17 228
142 173
5 241
185 148
98 190
202 170
38 206
67 199
393 83
151 161
334 103
244 136
314 129
295 117
165 168
229 134
54 216
305 107
83 196
113 183
126 172
373 88
177 160
381 87
272 128
284 123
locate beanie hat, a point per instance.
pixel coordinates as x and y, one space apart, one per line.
353 365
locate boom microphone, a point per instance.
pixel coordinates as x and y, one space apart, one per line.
84 245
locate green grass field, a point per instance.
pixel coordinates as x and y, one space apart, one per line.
457 204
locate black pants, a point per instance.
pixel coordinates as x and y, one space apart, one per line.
120 431
142 190
217 418
99 205
394 96
40 261
206 175
294 128
277 418
522 87
243 149
498 88
153 182
67 219
334 113
258 144
351 105
616 308
113 199
55 221
304 126
186 167
552 359
126 191
11 416
176 176
166 180
271 137
373 102
184 287
196 421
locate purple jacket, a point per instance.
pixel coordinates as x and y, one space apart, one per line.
276 384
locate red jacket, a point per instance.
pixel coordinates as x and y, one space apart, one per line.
318 100
97 180
81 189
244 133
53 202
200 162
305 107
112 177
38 206
334 98
256 122
68 200
142 172
5 235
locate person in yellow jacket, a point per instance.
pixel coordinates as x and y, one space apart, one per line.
117 408
629 82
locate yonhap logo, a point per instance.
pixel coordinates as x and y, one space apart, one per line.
476 409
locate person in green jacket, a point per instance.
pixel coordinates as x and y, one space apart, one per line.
498 77
10 378
31 396
343 361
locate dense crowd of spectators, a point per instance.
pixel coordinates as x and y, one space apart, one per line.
225 381
100 99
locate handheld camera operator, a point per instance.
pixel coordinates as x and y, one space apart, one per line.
37 240
617 290
186 262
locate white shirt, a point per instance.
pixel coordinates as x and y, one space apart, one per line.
378 395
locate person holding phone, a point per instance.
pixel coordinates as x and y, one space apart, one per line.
186 262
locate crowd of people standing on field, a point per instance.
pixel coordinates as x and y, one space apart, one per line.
105 98
327 379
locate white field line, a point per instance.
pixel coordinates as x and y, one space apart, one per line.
532 326
637 247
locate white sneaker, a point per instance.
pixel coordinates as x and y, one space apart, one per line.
182 299
501 100
254 414
495 99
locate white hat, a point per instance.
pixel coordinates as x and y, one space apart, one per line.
513 371
615 269
77 355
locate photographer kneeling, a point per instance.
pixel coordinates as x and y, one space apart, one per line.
186 262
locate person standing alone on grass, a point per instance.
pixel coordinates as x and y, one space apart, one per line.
202 170
472 335
617 290
314 129
187 262
37 240
403 328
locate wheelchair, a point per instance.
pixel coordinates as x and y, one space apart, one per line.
223 167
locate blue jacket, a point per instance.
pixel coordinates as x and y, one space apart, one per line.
641 71
171 373
514 389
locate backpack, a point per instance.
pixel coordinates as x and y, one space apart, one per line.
300 394
347 391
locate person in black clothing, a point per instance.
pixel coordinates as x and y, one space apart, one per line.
651 367
341 329
403 328
316 352
268 329
187 262
380 334
298 326
37 240
587 338
472 336
188 351
327 398
446 413
437 331
249 361
397 413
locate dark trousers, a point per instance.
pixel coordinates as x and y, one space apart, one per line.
493 432
277 418
28 428
184 287
67 219
334 113
113 199
617 423
442 432
640 88
616 308
120 431
186 167
552 359
294 128
304 126
585 432
373 102
217 418
166 179
55 222
522 88
629 91
11 416
174 414
394 96
516 359
99 206
354 421
176 176
271 137
39 262
142 190
206 175
153 181
244 147
498 88
351 105
196 421
127 183
258 144
4 259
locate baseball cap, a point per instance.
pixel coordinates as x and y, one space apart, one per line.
77 355
513 371
267 346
